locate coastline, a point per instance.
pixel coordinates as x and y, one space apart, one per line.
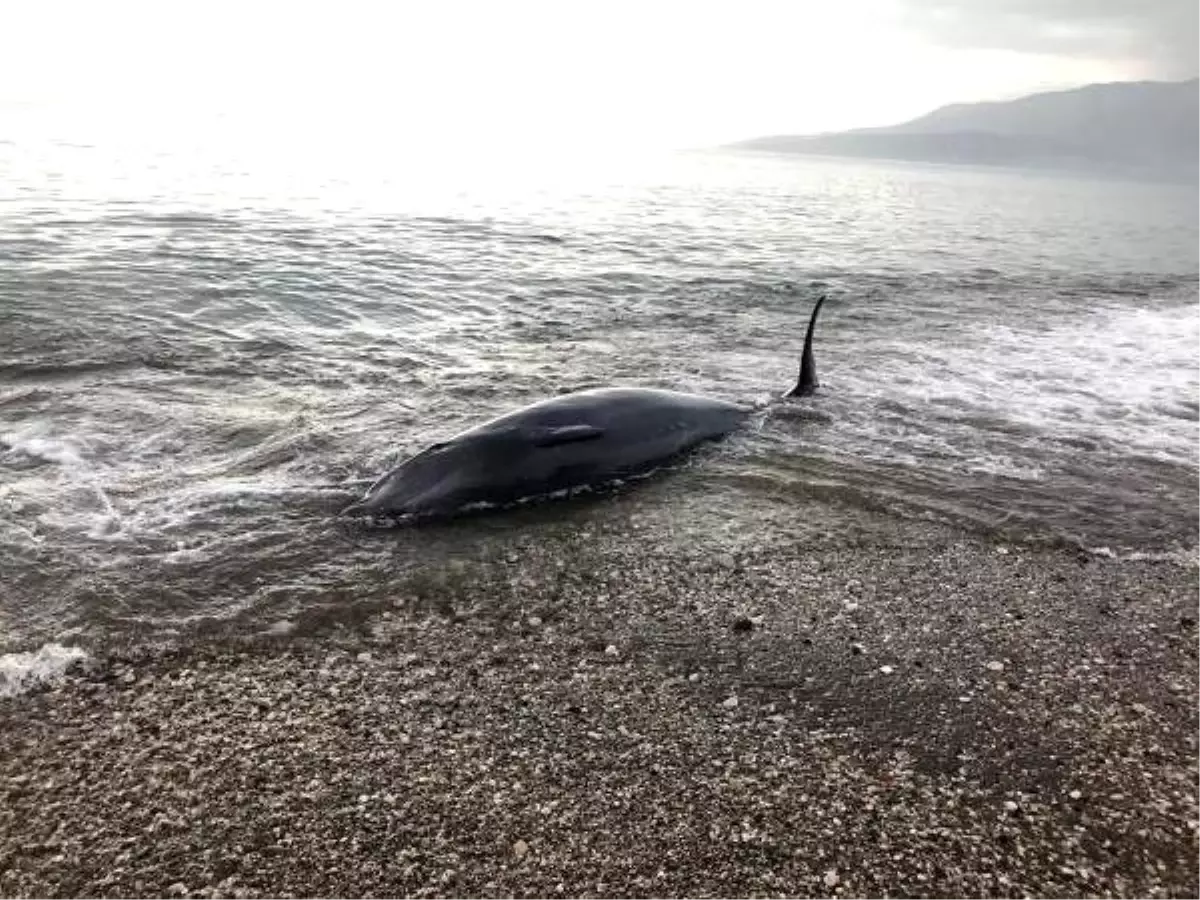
914 711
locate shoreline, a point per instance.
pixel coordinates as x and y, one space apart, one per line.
918 711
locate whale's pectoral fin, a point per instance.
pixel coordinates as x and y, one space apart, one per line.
567 434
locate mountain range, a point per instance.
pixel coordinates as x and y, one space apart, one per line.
1149 128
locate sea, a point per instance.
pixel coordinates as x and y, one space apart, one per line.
209 346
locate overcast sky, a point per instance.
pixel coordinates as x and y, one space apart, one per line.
652 72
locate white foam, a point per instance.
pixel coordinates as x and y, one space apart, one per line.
19 672
1108 375
34 442
47 449
1122 378
1180 556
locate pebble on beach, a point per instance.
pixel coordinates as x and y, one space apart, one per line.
468 756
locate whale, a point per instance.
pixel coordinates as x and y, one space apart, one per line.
583 439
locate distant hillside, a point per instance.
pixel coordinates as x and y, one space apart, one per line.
1144 127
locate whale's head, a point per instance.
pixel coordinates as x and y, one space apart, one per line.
434 480
445 477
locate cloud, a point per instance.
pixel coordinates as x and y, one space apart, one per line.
1158 36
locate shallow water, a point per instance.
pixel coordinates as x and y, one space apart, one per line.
200 350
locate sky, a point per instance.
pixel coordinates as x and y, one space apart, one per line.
655 73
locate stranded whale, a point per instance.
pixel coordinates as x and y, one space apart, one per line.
586 438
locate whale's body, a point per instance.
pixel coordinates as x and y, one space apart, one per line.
585 438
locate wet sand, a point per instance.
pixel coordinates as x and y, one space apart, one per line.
914 711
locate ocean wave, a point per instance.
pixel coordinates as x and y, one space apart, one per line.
22 672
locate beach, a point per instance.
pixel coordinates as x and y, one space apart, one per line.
901 710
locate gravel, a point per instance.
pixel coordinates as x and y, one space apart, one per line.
913 715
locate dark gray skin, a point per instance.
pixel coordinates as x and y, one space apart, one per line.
587 438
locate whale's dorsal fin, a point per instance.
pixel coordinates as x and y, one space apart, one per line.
808 368
566 434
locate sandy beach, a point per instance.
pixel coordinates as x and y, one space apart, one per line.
917 711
